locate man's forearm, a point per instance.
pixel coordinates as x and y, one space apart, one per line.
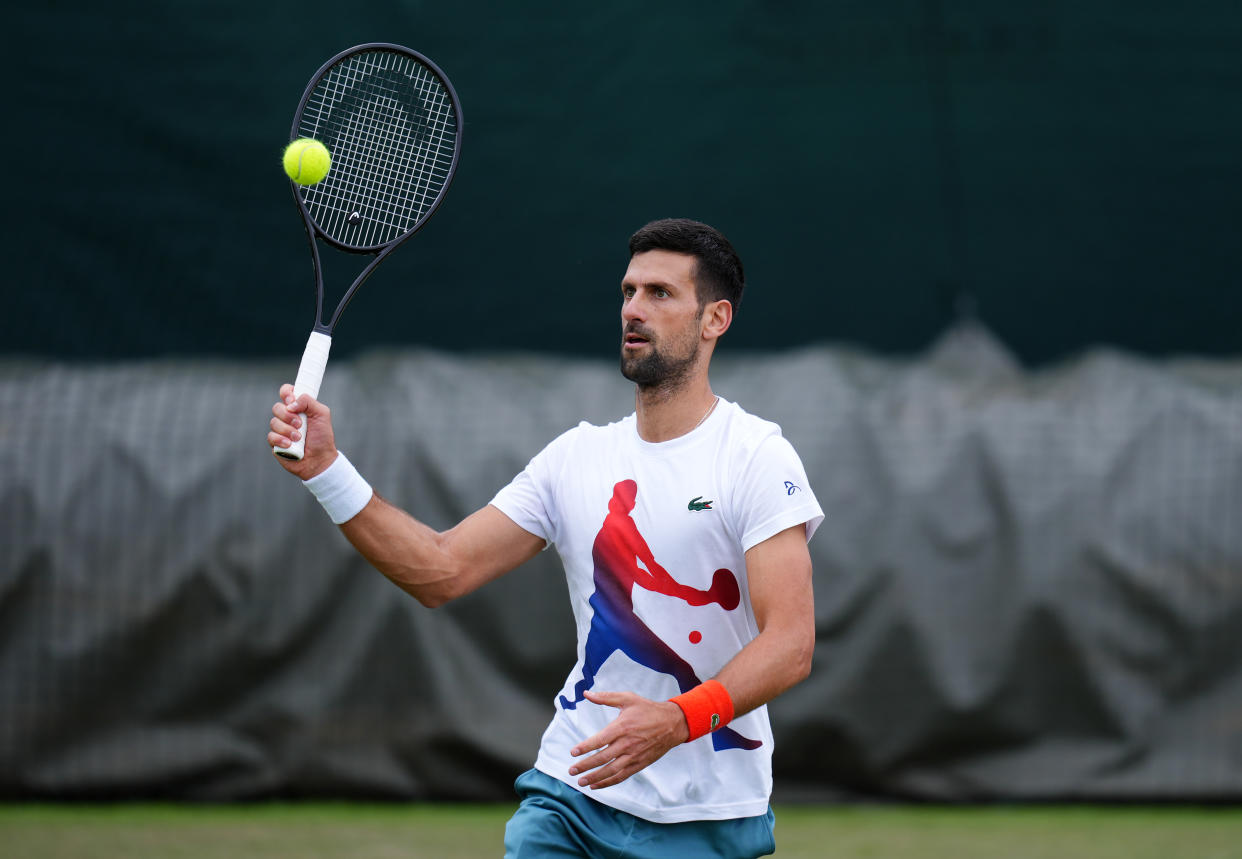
410 553
776 660
437 566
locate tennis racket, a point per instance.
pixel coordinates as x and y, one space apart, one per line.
392 124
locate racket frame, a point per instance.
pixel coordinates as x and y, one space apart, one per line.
313 231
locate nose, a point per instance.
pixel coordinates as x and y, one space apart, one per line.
633 310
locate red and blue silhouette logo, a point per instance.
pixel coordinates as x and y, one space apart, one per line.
615 627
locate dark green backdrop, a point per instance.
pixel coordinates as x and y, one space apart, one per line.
1069 170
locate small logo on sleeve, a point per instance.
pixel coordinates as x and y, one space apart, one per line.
697 503
791 488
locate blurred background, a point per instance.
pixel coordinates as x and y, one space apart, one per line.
993 300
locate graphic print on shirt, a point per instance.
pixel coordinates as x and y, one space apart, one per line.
617 551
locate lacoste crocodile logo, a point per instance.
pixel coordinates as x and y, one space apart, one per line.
696 503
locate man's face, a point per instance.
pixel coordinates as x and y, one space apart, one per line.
660 319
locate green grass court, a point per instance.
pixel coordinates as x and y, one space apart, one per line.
321 831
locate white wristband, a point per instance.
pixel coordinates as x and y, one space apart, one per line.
340 489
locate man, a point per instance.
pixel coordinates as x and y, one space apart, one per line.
683 530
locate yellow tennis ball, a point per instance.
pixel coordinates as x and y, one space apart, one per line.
307 161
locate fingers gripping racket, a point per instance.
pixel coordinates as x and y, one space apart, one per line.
392 124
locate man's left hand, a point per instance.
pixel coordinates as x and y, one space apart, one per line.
640 735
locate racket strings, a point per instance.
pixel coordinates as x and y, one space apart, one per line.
391 127
382 187
375 141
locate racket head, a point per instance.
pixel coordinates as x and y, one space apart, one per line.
391 121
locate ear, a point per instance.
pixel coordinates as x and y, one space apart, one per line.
717 317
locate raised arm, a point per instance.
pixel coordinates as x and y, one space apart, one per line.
433 567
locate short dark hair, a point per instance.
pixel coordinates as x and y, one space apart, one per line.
718 270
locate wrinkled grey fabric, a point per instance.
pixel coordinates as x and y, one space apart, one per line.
1028 585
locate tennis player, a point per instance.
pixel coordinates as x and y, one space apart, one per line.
683 531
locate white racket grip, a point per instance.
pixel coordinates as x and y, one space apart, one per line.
310 376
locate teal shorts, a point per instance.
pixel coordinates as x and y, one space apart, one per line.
556 820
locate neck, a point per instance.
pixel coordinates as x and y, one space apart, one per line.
665 414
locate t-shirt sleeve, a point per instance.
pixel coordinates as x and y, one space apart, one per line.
775 494
530 498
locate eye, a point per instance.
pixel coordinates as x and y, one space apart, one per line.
661 292
627 292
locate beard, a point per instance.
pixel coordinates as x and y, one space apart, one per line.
660 368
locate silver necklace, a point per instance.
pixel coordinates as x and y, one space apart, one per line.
710 409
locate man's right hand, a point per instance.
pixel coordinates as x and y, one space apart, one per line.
290 419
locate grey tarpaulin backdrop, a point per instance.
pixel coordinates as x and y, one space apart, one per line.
1029 585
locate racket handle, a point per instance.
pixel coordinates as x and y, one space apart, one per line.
310 375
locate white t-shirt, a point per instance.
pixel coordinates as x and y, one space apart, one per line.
650 536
